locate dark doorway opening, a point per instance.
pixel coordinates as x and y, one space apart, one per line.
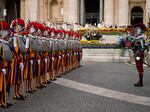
13 9
136 15
92 11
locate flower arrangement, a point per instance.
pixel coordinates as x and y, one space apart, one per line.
104 31
93 35
97 45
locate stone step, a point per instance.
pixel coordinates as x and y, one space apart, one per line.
105 58
110 55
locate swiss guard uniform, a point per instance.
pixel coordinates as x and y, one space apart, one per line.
79 50
63 48
37 52
60 52
17 26
57 54
5 63
39 56
46 41
138 47
32 49
52 54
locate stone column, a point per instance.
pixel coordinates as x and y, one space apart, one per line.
60 11
109 12
27 10
73 11
65 10
22 8
82 11
147 11
40 10
2 6
101 11
33 10
45 10
123 12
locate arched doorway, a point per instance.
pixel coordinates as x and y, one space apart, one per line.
136 15
92 11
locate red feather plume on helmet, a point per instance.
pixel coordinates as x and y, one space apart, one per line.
25 33
40 26
4 25
46 28
17 21
32 24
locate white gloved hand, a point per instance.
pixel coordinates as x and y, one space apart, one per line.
59 57
15 41
4 71
137 58
63 55
27 43
52 58
21 66
31 62
68 54
130 50
45 60
38 61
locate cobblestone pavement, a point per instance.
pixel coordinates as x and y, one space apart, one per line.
114 76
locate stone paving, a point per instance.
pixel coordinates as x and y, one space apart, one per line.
114 76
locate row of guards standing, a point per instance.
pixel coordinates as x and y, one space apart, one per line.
35 55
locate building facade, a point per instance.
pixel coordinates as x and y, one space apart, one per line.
111 12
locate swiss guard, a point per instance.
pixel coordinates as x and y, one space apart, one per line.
19 51
138 47
40 56
32 50
5 63
52 54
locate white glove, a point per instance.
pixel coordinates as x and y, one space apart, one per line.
63 55
137 58
59 57
38 61
21 66
31 62
68 54
27 43
52 58
4 71
130 50
45 60
15 41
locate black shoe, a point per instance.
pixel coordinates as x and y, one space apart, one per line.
43 86
48 82
59 76
6 106
39 87
18 98
30 91
138 84
53 79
